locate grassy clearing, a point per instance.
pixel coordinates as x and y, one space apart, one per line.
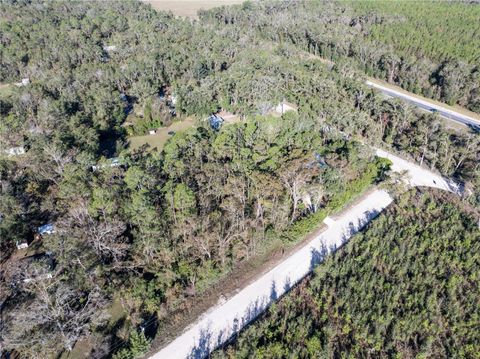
5 90
158 140
188 8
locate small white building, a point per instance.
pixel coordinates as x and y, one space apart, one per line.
22 244
25 81
152 132
284 106
110 162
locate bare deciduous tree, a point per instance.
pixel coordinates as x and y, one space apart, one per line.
53 316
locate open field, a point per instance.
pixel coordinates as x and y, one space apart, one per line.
188 8
159 139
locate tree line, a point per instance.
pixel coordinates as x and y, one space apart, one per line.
404 287
428 47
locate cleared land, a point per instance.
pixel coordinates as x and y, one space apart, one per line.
159 139
188 8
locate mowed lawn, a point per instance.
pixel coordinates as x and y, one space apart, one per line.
188 8
158 140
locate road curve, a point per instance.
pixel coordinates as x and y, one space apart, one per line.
225 319
417 176
428 106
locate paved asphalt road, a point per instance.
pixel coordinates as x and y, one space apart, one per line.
429 107
225 319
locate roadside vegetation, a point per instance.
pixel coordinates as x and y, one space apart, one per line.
404 287
150 228
427 47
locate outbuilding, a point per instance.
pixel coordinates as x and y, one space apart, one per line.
14 151
284 106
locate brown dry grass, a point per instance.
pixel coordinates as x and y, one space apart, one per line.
188 8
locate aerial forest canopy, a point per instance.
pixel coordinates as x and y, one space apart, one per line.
145 230
406 287
427 47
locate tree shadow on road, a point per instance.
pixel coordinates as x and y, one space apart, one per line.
209 341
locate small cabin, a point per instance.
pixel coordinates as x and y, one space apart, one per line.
152 132
22 244
284 106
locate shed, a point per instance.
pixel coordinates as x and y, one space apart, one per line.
110 48
110 162
15 151
284 106
22 244
25 81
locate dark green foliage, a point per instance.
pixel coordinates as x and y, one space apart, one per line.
138 345
405 287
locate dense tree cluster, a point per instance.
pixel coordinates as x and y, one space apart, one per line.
161 227
154 227
405 287
426 47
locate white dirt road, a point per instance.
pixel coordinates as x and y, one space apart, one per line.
222 321
417 176
217 325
